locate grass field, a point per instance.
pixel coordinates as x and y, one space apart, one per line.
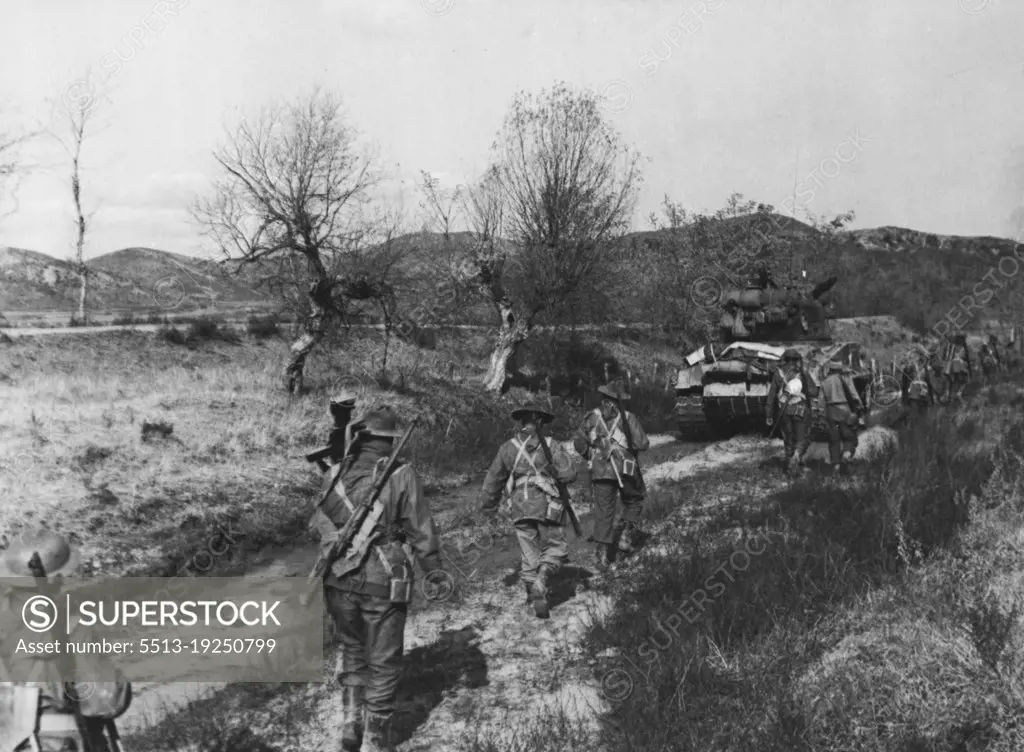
136 444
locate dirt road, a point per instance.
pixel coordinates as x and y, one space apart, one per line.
479 661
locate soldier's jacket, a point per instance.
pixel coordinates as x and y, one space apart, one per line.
917 381
840 395
960 362
779 394
606 443
521 469
405 524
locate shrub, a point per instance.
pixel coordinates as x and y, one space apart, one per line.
263 327
205 329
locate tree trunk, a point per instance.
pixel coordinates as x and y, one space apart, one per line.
83 292
513 332
83 273
314 329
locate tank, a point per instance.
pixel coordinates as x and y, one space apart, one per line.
723 388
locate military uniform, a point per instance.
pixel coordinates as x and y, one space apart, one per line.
56 728
790 397
367 592
960 369
843 406
528 478
611 439
917 385
989 361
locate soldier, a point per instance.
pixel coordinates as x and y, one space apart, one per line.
529 475
611 439
368 592
790 397
843 410
989 360
960 369
62 719
996 349
917 384
341 408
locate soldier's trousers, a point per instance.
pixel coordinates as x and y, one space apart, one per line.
607 497
370 632
540 543
842 436
796 433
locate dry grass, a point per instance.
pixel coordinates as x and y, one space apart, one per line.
142 447
877 614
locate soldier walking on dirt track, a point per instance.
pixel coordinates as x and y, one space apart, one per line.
367 592
789 402
917 383
611 439
960 369
843 410
529 476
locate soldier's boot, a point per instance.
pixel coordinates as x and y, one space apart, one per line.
793 464
351 718
377 736
540 592
627 538
844 463
529 593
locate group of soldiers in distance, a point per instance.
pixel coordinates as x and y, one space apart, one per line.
923 370
793 390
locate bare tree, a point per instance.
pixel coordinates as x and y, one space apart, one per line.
79 115
291 192
561 188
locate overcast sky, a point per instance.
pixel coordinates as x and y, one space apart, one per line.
909 113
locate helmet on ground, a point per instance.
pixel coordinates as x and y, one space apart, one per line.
39 549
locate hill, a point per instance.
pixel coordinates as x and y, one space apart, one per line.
129 279
914 276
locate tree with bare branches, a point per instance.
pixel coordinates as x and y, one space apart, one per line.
79 116
292 194
562 187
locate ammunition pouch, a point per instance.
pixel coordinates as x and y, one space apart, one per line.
797 411
399 568
555 510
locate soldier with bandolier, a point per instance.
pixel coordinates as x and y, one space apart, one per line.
532 471
368 589
790 396
611 439
844 410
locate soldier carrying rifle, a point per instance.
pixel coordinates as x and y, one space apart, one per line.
532 472
611 439
373 519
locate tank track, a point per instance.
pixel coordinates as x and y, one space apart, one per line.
693 423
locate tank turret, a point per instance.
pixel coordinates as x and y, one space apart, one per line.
760 312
